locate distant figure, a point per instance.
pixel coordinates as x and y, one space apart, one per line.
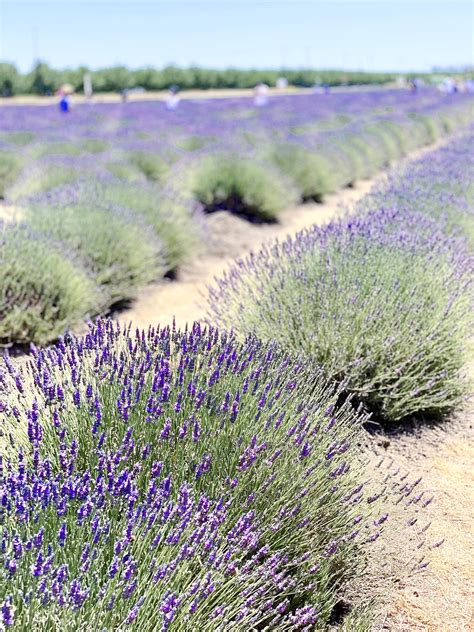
326 88
282 83
64 103
124 95
87 84
401 82
64 92
261 94
172 100
450 85
415 84
318 87
469 86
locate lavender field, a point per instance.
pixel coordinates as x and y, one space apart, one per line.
110 197
216 478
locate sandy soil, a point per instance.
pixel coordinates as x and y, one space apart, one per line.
442 597
229 237
10 214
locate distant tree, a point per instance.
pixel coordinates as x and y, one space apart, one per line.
43 79
9 80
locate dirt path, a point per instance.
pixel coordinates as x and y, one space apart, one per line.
442 597
229 237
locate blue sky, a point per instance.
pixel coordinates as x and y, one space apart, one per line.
374 35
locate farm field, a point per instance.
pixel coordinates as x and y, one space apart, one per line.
135 181
254 464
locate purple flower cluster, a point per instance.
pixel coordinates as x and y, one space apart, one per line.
175 480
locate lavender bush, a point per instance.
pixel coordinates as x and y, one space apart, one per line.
38 179
119 251
177 480
10 167
171 215
379 299
241 186
153 166
312 173
42 291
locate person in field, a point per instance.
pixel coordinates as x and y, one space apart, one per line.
261 94
64 103
172 100
64 93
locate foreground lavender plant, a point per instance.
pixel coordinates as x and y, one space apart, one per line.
176 480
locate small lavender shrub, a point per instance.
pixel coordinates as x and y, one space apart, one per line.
388 140
242 186
377 300
20 139
41 150
194 143
42 292
125 171
10 167
94 145
121 254
177 480
311 173
170 216
38 179
153 166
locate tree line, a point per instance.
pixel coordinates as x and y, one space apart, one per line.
43 80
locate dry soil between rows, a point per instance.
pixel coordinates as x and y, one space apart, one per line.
228 237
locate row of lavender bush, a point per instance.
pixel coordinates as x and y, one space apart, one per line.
380 298
112 196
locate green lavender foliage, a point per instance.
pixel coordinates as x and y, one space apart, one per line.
169 216
10 166
242 186
121 253
42 293
383 321
154 167
40 178
312 173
